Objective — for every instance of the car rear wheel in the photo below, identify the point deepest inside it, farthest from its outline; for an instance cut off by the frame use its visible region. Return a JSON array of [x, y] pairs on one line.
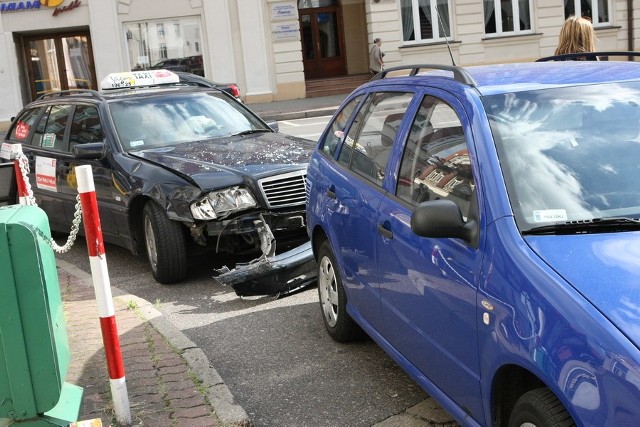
[[333, 299], [539, 408], [165, 244]]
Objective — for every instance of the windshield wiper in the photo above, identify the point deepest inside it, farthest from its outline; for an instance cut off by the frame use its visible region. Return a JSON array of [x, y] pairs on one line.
[[251, 131], [595, 225]]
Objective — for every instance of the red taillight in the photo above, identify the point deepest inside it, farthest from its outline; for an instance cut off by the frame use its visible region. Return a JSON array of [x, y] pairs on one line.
[[235, 91]]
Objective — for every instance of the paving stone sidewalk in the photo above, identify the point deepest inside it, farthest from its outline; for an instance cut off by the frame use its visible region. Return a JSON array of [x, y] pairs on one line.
[[162, 389]]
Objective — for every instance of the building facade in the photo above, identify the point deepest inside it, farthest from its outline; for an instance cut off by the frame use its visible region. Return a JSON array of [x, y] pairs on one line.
[[272, 48]]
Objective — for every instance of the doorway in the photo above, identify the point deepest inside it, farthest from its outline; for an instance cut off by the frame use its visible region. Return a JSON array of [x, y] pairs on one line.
[[59, 62], [323, 46]]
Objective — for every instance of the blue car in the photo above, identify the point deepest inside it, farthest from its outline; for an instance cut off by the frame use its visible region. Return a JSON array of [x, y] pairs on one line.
[[482, 225]]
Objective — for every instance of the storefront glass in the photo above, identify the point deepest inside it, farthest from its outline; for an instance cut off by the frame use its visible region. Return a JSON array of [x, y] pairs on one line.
[[51, 57], [174, 44]]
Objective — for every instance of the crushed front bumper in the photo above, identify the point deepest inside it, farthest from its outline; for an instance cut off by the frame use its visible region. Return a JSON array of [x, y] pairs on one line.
[[272, 275]]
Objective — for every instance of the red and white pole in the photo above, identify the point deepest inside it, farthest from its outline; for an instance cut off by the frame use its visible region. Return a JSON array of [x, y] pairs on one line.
[[23, 192], [102, 288]]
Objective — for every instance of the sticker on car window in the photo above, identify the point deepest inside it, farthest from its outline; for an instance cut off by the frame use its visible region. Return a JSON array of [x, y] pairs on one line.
[[550, 215], [48, 140], [22, 130], [136, 143], [46, 173]]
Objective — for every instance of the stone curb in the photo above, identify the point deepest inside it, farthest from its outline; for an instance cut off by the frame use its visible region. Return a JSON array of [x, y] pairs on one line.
[[293, 115], [218, 394]]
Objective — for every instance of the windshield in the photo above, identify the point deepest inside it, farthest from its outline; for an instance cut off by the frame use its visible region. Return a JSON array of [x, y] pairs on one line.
[[161, 121], [570, 154]]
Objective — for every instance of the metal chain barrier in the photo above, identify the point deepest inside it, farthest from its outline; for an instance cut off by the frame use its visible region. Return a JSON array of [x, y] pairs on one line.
[[23, 162]]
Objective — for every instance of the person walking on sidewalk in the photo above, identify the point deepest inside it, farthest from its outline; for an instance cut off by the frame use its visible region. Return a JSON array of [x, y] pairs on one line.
[[376, 63]]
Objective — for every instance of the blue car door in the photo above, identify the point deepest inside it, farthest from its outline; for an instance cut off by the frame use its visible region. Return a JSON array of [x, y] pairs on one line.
[[355, 192], [428, 285]]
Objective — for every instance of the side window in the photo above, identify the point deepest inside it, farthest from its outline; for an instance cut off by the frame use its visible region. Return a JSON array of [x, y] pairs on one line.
[[85, 126], [435, 163], [22, 129], [369, 142], [51, 127], [333, 138]]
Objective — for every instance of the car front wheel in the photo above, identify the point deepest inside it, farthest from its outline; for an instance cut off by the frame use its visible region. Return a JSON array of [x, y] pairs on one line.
[[165, 245], [539, 408], [333, 299]]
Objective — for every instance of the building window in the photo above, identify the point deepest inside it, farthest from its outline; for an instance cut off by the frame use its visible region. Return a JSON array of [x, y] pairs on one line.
[[306, 4], [595, 10], [425, 20], [507, 17], [146, 47]]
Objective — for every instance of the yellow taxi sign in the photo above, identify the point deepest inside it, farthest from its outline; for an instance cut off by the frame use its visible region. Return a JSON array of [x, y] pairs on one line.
[[138, 78]]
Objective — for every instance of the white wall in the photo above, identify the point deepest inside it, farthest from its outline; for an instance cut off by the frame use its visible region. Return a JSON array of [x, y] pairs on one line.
[[221, 56], [109, 55], [257, 67], [9, 87]]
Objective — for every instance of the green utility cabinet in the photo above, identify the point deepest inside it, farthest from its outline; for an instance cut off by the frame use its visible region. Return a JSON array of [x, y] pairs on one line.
[[34, 348]]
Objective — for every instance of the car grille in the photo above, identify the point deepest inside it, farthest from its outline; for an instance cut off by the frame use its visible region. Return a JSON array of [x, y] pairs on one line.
[[284, 190]]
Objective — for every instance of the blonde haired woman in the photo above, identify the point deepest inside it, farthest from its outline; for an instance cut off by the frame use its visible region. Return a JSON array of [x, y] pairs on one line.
[[576, 36]]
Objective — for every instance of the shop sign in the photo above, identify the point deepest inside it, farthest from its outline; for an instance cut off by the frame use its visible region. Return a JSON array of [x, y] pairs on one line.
[[70, 6], [284, 11], [286, 31], [15, 6]]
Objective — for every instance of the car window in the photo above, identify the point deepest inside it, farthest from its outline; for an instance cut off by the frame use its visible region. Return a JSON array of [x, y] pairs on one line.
[[578, 148], [51, 127], [435, 163], [22, 129], [334, 136], [370, 138], [85, 126]]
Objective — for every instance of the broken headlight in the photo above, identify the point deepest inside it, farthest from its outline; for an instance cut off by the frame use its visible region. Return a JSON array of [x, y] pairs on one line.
[[219, 204]]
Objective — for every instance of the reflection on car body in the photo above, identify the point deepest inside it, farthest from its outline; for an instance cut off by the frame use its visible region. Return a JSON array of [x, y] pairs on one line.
[[176, 168]]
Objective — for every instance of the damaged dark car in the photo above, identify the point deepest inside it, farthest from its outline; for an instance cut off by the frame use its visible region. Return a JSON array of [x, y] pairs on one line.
[[176, 168]]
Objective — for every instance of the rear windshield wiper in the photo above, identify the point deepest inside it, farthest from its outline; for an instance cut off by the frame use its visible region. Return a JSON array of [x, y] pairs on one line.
[[595, 225], [251, 131]]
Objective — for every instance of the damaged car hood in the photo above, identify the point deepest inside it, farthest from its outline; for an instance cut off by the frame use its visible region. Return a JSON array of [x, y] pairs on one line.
[[222, 162]]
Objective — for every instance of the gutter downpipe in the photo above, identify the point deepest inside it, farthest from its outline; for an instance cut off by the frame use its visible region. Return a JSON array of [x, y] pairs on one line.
[[630, 34]]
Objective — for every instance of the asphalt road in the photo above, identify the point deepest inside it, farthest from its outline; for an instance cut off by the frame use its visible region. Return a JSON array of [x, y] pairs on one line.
[[273, 354]]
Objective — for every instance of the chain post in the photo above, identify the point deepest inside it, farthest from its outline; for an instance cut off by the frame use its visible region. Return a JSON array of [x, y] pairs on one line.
[[22, 163]]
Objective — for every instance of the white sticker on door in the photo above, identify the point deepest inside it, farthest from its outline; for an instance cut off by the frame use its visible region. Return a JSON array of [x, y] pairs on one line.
[[46, 173]]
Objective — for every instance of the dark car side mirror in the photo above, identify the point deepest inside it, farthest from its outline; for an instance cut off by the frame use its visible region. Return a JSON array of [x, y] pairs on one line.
[[90, 151], [443, 219], [274, 125]]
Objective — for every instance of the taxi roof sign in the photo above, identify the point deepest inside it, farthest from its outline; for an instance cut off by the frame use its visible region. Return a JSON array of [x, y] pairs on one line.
[[133, 79]]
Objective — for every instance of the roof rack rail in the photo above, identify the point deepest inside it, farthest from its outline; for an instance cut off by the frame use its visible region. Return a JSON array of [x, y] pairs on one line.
[[459, 73], [590, 56], [92, 93]]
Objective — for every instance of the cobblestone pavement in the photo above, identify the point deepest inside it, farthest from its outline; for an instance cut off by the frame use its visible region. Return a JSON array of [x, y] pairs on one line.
[[162, 389]]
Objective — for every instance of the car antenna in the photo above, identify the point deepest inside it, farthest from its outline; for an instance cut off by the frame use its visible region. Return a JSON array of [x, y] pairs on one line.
[[446, 39]]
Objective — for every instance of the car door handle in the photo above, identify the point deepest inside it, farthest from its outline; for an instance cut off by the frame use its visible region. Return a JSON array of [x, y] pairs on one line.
[[331, 192], [385, 232]]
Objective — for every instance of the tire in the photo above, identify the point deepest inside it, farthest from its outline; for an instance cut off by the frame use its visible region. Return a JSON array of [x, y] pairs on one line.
[[165, 245], [539, 408], [333, 299]]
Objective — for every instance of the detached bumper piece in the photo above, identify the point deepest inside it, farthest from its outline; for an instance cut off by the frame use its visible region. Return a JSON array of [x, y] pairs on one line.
[[272, 275]]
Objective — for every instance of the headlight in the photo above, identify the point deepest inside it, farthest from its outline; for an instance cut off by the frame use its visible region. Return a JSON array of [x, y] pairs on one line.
[[219, 204]]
